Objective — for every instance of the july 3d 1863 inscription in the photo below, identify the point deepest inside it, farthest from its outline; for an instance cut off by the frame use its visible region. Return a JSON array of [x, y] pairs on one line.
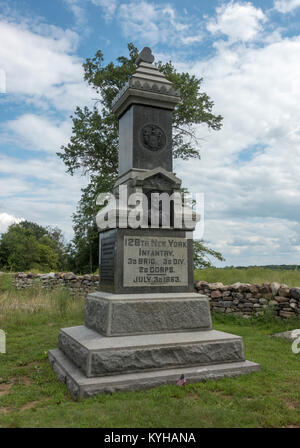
[[146, 325]]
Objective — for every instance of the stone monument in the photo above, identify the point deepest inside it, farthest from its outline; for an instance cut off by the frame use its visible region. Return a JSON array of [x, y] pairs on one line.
[[146, 326]]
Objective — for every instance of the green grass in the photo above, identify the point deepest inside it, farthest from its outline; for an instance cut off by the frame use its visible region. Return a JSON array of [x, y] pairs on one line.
[[5, 282], [248, 275], [31, 396]]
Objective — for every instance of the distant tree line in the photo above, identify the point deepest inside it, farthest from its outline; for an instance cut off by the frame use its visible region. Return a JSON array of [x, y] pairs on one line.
[[275, 267]]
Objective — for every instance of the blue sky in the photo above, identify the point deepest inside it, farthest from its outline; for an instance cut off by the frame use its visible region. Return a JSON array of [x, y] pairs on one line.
[[248, 56]]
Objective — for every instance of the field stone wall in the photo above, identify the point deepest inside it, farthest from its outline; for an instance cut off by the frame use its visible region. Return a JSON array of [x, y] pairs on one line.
[[242, 299], [76, 284]]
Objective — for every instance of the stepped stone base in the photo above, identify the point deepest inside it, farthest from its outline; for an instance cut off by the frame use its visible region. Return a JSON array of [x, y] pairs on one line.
[[82, 387], [127, 314], [137, 341], [98, 355]]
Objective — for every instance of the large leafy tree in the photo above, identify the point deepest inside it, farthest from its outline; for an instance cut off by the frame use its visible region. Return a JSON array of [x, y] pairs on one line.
[[28, 246], [93, 146]]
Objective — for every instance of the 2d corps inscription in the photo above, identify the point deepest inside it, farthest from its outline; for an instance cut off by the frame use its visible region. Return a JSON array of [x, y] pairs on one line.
[[155, 261]]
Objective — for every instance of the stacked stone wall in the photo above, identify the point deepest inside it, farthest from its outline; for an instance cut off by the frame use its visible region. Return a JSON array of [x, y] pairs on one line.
[[245, 299], [76, 284], [241, 299]]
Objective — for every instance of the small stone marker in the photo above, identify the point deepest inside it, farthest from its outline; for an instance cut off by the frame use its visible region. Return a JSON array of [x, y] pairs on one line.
[[2, 342], [289, 335], [146, 326]]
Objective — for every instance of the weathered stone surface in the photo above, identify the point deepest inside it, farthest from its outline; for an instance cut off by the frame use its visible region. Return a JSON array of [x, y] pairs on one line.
[[96, 314], [74, 351], [235, 286], [118, 361], [281, 299], [286, 313], [200, 284], [96, 355], [274, 287], [125, 314], [265, 288], [83, 387], [295, 293], [284, 291], [215, 294], [214, 286]]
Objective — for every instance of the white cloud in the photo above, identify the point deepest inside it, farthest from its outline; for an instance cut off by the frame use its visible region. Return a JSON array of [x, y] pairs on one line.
[[238, 21], [156, 23], [108, 6], [6, 220], [40, 67], [39, 190], [79, 12], [37, 133], [286, 6]]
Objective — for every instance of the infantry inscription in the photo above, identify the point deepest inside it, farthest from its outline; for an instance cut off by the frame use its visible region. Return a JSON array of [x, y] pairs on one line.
[[155, 261]]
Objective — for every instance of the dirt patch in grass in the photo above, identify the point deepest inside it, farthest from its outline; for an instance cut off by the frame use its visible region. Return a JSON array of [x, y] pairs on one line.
[[193, 396], [223, 395], [29, 405], [292, 404], [5, 388], [25, 380], [4, 410]]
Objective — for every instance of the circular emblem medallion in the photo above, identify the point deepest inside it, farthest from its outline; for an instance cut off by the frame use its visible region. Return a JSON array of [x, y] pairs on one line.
[[153, 137]]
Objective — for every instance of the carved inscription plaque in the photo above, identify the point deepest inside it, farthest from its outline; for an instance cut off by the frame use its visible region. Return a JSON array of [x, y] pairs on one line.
[[155, 261]]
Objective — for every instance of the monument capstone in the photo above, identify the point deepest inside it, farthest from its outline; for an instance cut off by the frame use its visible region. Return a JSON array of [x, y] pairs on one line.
[[145, 326]]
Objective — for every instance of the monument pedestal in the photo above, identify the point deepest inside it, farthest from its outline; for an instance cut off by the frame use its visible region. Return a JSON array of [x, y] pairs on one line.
[[146, 340]]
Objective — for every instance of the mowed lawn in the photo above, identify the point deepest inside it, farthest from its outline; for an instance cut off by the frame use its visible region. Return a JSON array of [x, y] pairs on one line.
[[31, 396]]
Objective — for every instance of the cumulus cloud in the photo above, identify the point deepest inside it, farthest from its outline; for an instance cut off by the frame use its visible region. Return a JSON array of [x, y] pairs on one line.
[[108, 6], [78, 11], [238, 21], [39, 190], [154, 23], [40, 65], [7, 220], [286, 6], [37, 133]]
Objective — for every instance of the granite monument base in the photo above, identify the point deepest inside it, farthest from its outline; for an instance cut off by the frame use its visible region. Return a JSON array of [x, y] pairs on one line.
[[131, 314], [136, 341]]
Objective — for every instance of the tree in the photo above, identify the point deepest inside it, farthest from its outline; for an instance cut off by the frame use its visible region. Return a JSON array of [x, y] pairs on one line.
[[202, 253], [28, 246], [93, 145]]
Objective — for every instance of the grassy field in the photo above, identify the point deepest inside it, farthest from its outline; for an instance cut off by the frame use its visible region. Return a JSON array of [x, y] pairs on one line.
[[248, 275], [31, 396]]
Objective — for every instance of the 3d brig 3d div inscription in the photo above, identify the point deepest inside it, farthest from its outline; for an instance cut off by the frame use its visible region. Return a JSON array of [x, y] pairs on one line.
[[145, 326]]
